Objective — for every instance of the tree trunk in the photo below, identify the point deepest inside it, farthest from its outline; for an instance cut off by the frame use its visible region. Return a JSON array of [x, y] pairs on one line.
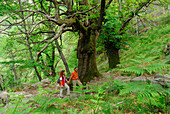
[[36, 70], [62, 57], [13, 67], [52, 61], [112, 54], [1, 88], [2, 82], [86, 53]]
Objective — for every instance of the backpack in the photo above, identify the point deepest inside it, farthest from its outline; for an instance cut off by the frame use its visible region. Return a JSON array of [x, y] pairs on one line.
[[58, 81]]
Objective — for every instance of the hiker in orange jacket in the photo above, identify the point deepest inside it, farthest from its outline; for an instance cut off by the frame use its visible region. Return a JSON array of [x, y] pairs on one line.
[[75, 79]]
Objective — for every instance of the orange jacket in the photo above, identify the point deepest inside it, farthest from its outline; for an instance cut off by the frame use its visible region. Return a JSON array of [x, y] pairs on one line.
[[74, 75]]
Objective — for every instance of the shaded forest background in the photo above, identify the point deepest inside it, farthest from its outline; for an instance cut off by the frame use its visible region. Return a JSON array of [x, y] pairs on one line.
[[39, 38]]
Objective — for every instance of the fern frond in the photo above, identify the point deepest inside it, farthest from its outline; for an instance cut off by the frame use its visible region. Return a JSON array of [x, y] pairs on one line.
[[134, 69], [135, 61], [132, 87], [149, 59], [156, 67]]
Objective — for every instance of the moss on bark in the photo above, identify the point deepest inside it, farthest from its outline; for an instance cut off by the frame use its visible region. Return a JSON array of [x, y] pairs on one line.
[[86, 55]]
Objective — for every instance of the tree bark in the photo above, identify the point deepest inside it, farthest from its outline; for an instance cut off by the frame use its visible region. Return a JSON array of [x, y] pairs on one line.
[[2, 82], [112, 54], [52, 62], [86, 54], [62, 57], [1, 88]]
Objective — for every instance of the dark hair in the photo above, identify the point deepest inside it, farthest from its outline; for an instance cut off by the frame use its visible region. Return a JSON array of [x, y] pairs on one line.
[[61, 73]]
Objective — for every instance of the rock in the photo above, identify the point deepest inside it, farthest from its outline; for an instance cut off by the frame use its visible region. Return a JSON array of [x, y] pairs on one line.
[[167, 78], [25, 84], [58, 87], [26, 88], [21, 93], [46, 81], [158, 76], [4, 96], [16, 94], [140, 78], [125, 79], [36, 84], [29, 96], [167, 49], [45, 85], [162, 80]]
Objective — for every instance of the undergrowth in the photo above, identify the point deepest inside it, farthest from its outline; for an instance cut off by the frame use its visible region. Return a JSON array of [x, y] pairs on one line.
[[111, 97], [145, 54]]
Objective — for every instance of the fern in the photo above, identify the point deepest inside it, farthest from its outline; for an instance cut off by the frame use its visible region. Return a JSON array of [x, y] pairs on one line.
[[134, 69], [157, 67], [132, 87], [149, 95], [153, 95]]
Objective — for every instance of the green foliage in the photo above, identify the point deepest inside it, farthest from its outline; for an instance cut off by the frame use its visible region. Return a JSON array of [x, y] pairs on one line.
[[17, 104], [151, 95], [158, 67], [143, 55], [133, 97], [146, 55], [111, 27], [113, 96]]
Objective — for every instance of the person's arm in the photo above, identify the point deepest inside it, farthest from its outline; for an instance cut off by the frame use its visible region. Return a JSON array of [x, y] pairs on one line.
[[67, 80], [70, 78], [78, 78]]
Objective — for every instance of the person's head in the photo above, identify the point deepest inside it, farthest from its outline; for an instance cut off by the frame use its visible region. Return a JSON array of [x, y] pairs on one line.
[[75, 69], [62, 73]]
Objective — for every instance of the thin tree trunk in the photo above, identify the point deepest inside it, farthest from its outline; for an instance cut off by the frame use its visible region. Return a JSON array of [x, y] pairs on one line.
[[120, 5], [62, 57], [169, 9], [13, 67], [2, 82], [31, 56], [1, 88], [28, 44], [86, 53], [52, 62]]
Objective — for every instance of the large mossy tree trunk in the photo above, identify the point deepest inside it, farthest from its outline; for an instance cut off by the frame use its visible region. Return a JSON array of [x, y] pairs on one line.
[[86, 53], [112, 54]]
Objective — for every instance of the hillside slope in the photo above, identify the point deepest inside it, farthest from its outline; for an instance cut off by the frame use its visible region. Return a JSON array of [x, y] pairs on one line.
[[144, 51]]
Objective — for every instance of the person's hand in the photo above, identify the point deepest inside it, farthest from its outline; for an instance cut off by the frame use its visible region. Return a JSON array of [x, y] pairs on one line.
[[68, 82], [62, 86]]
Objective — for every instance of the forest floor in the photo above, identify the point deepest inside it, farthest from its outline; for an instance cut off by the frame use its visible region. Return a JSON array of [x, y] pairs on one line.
[[107, 77], [97, 80]]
